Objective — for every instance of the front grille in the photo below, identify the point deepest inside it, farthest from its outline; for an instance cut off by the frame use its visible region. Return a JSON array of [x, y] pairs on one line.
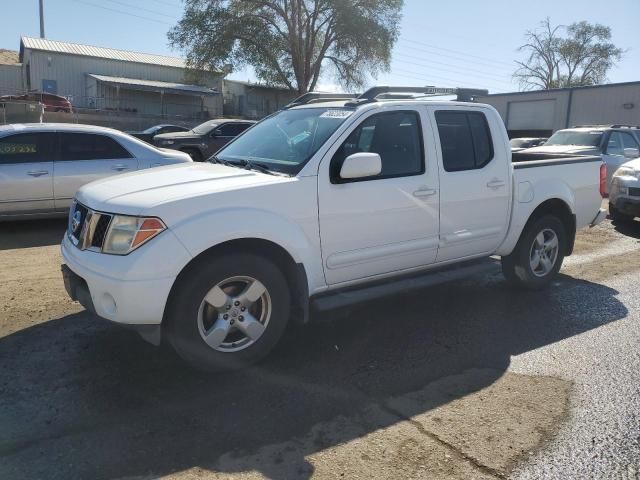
[[87, 228], [634, 191], [102, 225]]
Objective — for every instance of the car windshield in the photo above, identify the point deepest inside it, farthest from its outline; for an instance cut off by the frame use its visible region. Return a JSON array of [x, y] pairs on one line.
[[285, 141], [205, 127], [150, 130], [519, 142], [574, 137]]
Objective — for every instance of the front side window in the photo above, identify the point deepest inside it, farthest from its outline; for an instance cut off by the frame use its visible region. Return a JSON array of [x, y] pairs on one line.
[[87, 146], [285, 141], [465, 140], [395, 136], [628, 141], [27, 147]]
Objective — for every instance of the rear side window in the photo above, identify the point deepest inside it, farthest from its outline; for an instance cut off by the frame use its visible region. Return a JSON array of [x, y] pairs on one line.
[[465, 140], [28, 147], [395, 136], [87, 146]]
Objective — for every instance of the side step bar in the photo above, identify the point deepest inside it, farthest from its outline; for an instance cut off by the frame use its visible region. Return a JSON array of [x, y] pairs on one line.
[[388, 287]]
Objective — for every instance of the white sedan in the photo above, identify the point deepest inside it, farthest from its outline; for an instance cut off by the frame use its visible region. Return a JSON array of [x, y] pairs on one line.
[[43, 165]]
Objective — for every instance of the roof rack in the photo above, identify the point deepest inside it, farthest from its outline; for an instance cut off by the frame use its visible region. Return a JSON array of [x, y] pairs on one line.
[[316, 97], [615, 125], [388, 92]]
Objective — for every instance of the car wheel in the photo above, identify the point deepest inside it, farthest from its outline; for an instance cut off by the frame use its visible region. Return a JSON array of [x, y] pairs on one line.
[[617, 216], [538, 255], [228, 312], [195, 155]]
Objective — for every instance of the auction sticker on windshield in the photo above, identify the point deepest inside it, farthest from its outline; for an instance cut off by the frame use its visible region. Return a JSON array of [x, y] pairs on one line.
[[336, 113]]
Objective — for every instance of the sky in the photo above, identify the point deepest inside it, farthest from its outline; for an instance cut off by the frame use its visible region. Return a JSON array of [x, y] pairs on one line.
[[467, 43]]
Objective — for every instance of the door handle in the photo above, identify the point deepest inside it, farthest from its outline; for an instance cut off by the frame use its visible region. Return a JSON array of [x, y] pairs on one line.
[[119, 167], [495, 184], [37, 173], [425, 192]]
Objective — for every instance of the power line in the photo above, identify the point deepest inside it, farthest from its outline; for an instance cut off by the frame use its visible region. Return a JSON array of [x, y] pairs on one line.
[[122, 13], [142, 8], [428, 45], [455, 69]]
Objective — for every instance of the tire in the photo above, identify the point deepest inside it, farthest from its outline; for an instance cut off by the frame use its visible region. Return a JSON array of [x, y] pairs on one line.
[[195, 155], [190, 319], [518, 267], [617, 216]]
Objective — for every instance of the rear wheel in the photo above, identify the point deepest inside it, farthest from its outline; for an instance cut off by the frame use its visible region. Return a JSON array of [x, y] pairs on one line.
[[617, 216], [229, 312], [195, 154], [538, 255]]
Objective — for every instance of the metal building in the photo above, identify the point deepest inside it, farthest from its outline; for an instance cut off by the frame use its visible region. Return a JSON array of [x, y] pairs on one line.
[[252, 100], [540, 113], [100, 78]]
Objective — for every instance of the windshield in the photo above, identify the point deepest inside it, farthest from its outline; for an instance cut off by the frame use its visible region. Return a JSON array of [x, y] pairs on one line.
[[574, 137], [285, 141], [205, 127], [520, 142], [150, 130]]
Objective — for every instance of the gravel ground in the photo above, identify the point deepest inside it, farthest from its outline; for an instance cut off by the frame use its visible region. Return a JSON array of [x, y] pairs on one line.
[[467, 380]]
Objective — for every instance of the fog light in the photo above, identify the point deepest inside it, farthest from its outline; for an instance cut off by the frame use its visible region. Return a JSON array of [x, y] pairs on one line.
[[108, 304]]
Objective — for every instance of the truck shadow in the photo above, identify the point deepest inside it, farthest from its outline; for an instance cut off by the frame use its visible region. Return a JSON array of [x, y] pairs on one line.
[[630, 229], [31, 233], [82, 399]]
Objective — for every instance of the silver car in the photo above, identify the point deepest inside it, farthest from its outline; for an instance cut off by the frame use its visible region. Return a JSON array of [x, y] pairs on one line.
[[42, 165], [616, 144], [624, 197]]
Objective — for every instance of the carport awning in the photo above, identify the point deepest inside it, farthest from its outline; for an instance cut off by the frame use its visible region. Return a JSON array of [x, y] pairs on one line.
[[154, 86]]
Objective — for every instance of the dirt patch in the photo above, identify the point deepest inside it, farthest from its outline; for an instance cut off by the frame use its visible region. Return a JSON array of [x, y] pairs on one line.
[[479, 435]]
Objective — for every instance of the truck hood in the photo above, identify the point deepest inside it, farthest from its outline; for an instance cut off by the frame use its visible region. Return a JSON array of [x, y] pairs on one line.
[[635, 164], [577, 149], [142, 192]]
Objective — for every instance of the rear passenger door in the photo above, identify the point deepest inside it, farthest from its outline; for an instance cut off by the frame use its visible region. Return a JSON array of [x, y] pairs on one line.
[[26, 173], [475, 189], [85, 157]]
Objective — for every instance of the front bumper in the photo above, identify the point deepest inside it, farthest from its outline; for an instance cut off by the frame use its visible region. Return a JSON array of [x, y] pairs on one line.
[[625, 195], [131, 289]]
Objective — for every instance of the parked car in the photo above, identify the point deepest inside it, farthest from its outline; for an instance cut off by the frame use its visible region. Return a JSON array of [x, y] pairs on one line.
[[315, 201], [51, 102], [43, 164], [148, 134], [624, 199], [518, 144], [204, 140], [616, 144]]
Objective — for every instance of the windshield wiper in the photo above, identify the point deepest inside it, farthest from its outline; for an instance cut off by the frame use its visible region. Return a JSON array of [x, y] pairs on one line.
[[247, 165]]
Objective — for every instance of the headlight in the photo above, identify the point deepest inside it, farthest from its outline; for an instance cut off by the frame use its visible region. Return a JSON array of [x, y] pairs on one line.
[[126, 233], [167, 142], [627, 172]]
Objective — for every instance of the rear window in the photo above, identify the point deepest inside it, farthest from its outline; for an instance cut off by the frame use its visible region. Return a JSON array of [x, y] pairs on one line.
[[87, 146], [465, 140], [576, 138]]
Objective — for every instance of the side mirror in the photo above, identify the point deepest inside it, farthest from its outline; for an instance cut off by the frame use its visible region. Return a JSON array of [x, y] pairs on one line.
[[361, 165], [631, 152]]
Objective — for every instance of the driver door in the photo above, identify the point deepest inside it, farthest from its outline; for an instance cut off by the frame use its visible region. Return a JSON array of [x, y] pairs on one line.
[[385, 223]]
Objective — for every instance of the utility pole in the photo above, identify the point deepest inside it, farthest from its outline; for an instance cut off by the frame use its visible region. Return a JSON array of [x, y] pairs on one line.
[[41, 19]]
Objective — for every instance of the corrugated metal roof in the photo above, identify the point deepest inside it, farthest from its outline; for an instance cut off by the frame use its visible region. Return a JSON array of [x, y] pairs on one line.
[[153, 85], [99, 52]]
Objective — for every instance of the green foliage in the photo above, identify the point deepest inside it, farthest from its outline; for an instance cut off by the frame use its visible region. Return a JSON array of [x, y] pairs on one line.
[[289, 42], [578, 55]]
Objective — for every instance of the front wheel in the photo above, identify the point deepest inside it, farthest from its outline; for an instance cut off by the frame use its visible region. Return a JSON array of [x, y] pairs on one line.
[[538, 255], [229, 312]]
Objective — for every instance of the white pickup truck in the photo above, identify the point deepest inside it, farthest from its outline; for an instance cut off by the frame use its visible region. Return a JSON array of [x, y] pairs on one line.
[[320, 198]]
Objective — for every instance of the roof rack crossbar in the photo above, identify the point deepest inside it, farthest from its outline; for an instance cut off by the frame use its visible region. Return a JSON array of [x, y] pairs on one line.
[[615, 125], [315, 97]]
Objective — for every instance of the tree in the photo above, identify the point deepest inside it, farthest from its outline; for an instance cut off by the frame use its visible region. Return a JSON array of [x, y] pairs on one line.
[[288, 42], [561, 56]]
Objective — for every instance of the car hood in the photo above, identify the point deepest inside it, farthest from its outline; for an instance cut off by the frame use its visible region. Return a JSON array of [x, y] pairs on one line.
[[144, 192], [635, 164], [176, 136], [577, 149]]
